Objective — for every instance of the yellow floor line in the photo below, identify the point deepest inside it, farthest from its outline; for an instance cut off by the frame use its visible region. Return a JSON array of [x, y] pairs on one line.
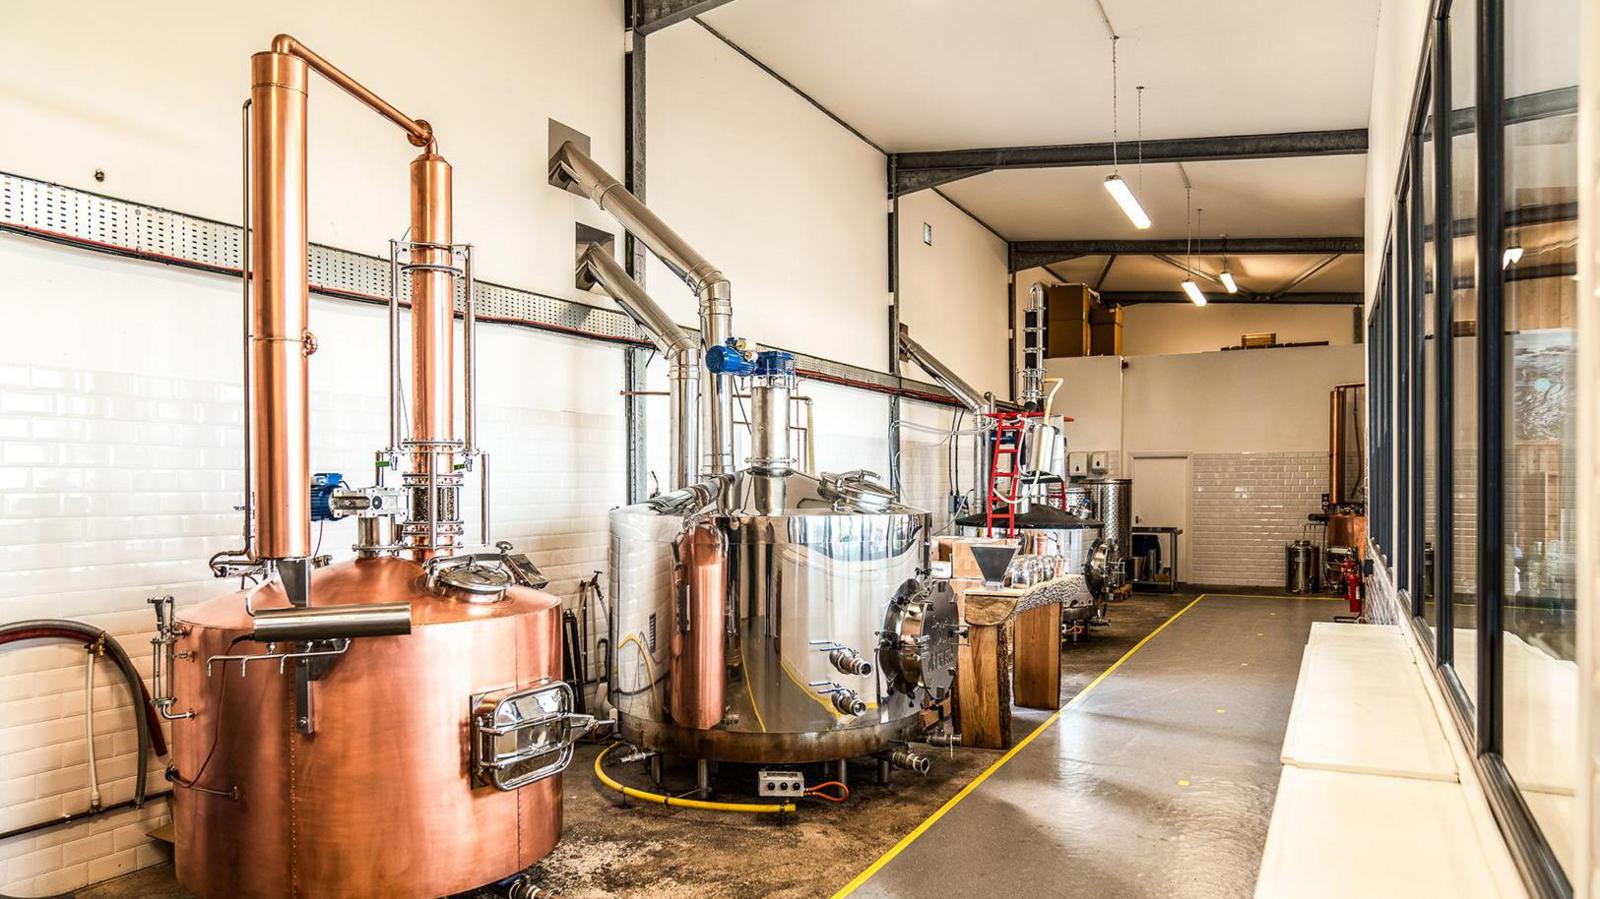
[[922, 828]]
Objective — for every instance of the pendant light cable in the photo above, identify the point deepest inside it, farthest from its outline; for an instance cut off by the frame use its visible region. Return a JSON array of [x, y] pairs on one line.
[[1114, 40], [1139, 92]]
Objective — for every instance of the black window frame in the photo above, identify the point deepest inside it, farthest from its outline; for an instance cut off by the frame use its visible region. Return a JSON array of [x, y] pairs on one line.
[[1399, 387]]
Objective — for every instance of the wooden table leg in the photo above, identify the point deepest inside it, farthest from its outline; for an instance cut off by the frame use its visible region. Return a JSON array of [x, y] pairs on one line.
[[1039, 657]]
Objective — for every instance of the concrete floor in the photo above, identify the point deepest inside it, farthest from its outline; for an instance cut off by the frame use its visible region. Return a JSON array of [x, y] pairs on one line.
[[647, 850], [1159, 783]]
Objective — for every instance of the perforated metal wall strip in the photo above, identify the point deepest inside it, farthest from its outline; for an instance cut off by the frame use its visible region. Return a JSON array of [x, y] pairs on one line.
[[93, 221]]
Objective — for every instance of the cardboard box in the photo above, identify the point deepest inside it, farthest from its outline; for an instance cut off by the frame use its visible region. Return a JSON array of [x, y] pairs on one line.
[[1105, 340], [1066, 331]]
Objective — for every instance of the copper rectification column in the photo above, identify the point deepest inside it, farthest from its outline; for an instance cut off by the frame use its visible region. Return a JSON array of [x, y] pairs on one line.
[[279, 342], [432, 329]]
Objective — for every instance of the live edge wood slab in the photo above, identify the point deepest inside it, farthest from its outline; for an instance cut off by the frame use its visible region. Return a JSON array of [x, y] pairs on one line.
[[986, 664]]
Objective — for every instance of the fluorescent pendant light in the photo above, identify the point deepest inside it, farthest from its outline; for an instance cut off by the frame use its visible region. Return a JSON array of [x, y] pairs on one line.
[[1119, 191], [1193, 290], [1228, 284], [1512, 256]]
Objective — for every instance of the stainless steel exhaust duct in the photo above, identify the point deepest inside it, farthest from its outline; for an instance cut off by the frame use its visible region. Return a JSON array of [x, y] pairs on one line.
[[597, 266], [977, 403], [570, 166]]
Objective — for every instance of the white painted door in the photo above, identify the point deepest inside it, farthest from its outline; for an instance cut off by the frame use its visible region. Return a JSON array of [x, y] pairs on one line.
[[1161, 498]]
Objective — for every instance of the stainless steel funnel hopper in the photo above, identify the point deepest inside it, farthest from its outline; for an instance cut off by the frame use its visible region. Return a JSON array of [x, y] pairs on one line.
[[993, 560]]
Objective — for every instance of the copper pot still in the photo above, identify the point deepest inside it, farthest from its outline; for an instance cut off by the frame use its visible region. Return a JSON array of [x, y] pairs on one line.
[[355, 766], [378, 801]]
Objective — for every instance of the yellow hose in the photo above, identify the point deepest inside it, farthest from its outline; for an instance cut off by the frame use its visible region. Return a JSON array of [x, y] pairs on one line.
[[746, 808]]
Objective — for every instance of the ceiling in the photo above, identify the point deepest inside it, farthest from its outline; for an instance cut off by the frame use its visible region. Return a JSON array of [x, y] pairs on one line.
[[952, 74], [1257, 274], [947, 74], [1312, 197]]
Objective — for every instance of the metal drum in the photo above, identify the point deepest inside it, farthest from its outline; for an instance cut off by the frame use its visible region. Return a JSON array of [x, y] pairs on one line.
[[776, 617], [1113, 505], [1301, 567], [1078, 500]]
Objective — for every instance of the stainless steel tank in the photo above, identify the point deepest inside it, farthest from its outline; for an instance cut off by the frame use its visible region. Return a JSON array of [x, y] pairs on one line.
[[1078, 500], [1301, 566], [1113, 505], [776, 617]]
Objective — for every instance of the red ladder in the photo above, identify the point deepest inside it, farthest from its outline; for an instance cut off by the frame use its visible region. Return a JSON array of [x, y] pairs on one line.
[[1010, 425]]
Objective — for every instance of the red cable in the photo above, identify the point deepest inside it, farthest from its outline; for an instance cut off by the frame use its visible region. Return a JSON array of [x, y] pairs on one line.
[[158, 741], [816, 791]]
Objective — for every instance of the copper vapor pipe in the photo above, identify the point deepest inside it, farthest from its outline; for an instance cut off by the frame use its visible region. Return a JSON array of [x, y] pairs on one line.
[[279, 340], [418, 131], [433, 305]]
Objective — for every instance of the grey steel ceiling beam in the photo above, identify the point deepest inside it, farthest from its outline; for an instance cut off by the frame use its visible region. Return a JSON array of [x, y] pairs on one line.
[[654, 15], [1034, 253], [918, 170], [1100, 279], [1309, 273], [1136, 297]]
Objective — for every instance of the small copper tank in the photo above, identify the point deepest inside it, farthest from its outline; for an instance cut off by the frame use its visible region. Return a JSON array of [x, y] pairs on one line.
[[378, 800]]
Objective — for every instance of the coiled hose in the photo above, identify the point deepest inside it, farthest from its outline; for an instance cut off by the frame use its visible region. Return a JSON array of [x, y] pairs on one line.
[[147, 724], [747, 808]]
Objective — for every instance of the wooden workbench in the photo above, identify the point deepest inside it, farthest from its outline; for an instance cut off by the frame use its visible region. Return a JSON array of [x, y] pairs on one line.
[[1008, 655]]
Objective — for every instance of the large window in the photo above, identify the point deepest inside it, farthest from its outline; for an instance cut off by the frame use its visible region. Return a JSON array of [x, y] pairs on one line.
[[1538, 270], [1461, 379], [1428, 365], [1473, 366]]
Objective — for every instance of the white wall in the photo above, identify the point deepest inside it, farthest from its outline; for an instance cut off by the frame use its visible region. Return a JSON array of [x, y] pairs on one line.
[[953, 294], [1402, 28], [1171, 328], [151, 94], [1266, 400], [789, 205], [1253, 425]]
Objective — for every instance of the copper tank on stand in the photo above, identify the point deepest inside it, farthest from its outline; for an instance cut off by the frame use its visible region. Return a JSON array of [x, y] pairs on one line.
[[386, 726]]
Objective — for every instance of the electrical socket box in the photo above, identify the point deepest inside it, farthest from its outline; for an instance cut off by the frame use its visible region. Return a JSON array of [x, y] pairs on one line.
[[1077, 465], [1099, 462], [781, 783]]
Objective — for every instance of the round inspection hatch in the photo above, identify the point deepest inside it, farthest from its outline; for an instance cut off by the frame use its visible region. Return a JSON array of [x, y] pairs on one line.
[[476, 582]]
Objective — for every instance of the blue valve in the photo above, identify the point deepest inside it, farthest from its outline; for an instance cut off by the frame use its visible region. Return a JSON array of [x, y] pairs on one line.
[[774, 362], [323, 484], [728, 359]]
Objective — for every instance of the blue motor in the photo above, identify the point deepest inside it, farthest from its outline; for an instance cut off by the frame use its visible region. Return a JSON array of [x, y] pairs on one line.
[[323, 484], [730, 359]]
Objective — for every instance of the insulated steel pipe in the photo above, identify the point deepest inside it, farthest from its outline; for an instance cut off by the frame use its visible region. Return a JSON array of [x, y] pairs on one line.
[[571, 165], [681, 352]]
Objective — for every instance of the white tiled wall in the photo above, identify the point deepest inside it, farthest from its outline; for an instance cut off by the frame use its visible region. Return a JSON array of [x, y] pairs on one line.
[[1246, 506], [120, 436], [120, 468]]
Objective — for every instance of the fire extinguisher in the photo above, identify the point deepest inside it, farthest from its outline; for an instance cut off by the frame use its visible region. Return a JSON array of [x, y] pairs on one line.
[[1350, 572]]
